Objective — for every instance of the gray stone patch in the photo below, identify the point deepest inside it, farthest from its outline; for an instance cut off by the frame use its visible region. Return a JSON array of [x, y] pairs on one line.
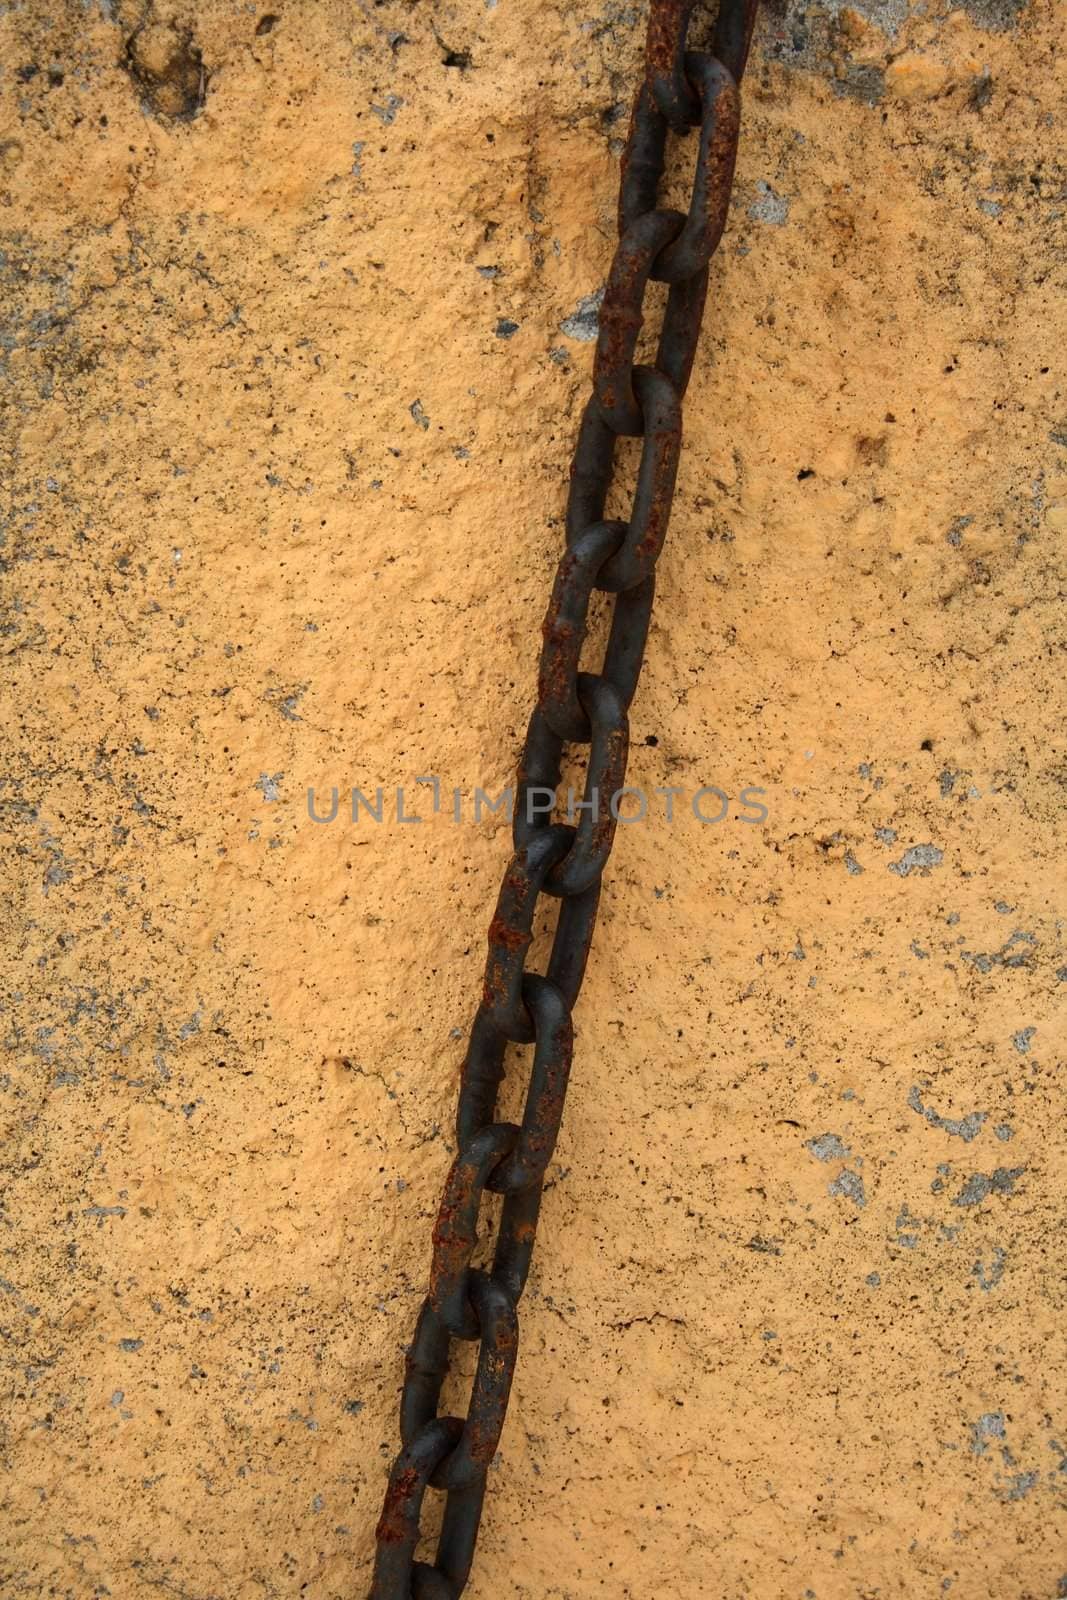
[[906, 1224], [1006, 956], [583, 324], [419, 414], [286, 703], [995, 15], [852, 865], [267, 784], [990, 1425], [43, 1045], [919, 858], [850, 1185], [801, 33], [1004, 1131], [1019, 1486], [980, 1186], [827, 1147], [388, 111], [988, 1278], [886, 835], [965, 1128], [764, 1247], [769, 206], [862, 81], [1021, 1040], [889, 15]]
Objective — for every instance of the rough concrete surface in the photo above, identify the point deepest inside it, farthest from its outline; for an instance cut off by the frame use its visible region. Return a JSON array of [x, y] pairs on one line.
[[297, 318]]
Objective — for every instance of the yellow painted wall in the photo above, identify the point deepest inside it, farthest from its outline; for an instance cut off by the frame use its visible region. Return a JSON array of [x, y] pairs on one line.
[[284, 490]]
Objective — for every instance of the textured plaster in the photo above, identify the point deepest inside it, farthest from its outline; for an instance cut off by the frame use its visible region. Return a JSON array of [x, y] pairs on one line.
[[298, 310]]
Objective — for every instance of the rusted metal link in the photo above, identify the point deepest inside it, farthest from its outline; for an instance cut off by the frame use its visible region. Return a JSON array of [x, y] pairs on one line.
[[514, 1244], [642, 168], [510, 932], [668, 25], [455, 1233], [483, 1066], [621, 318], [668, 69], [651, 509], [592, 466], [456, 1230], [584, 862], [429, 1583], [537, 780], [626, 641], [570, 947], [499, 1328], [515, 1239], [427, 1368], [411, 1473], [656, 473], [643, 159], [681, 330], [720, 125], [480, 1077], [526, 1164], [396, 1572], [483, 1070], [564, 629], [733, 35]]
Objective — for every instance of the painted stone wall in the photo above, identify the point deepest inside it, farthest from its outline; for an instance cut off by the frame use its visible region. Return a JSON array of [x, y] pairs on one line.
[[298, 311]]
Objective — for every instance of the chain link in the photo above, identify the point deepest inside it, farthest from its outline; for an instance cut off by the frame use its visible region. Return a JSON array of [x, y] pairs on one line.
[[682, 89]]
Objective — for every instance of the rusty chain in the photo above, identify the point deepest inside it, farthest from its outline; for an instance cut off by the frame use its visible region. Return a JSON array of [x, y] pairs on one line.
[[682, 89]]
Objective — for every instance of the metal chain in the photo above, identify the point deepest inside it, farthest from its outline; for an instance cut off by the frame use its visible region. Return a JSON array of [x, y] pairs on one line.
[[681, 89]]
